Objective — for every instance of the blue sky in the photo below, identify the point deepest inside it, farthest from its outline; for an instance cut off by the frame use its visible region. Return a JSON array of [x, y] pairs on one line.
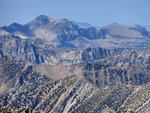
[[95, 12]]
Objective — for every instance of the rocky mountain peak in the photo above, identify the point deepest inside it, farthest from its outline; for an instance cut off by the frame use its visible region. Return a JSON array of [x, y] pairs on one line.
[[39, 21], [46, 21], [14, 27], [42, 19]]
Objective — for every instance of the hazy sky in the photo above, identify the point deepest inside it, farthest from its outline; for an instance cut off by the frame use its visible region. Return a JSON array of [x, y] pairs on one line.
[[96, 12]]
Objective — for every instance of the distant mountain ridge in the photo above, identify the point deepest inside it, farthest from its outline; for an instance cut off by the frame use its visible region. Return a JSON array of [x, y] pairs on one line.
[[64, 33], [82, 24]]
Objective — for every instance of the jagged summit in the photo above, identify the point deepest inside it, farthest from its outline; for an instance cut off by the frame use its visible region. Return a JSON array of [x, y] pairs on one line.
[[41, 17]]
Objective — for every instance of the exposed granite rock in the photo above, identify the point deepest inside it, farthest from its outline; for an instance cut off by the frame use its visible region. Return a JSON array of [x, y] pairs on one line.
[[22, 86], [38, 51], [83, 78]]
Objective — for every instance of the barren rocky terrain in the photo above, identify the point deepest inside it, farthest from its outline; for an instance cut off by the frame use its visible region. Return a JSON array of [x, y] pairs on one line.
[[54, 66]]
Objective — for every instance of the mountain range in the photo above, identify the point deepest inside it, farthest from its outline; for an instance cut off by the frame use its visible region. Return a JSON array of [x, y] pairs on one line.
[[55, 66], [64, 33]]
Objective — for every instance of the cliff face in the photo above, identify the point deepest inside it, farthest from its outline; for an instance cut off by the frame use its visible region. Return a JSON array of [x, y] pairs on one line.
[[38, 51]]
